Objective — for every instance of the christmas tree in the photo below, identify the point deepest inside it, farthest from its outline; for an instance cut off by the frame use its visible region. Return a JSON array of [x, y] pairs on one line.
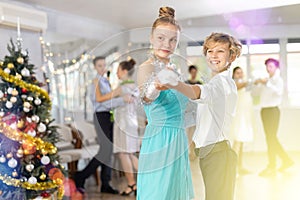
[[29, 164]]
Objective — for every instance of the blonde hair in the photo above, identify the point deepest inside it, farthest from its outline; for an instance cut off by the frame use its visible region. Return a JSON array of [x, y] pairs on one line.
[[166, 16], [235, 46]]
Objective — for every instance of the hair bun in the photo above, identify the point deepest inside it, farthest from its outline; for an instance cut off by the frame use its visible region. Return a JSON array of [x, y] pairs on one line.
[[131, 61], [166, 12]]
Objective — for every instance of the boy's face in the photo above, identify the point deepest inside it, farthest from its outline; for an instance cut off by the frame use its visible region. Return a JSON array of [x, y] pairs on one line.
[[271, 68], [218, 56], [100, 66]]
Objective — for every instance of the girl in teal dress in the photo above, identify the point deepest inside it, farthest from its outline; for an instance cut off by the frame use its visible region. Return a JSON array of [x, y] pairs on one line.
[[164, 169]]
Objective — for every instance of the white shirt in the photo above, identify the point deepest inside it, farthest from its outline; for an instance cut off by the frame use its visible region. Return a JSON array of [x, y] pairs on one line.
[[271, 93], [216, 107]]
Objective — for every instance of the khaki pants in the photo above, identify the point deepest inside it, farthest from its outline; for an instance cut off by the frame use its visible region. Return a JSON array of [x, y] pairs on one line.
[[218, 166]]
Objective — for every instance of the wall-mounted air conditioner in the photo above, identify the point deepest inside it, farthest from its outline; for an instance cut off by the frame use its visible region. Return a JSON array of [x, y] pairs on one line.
[[30, 19]]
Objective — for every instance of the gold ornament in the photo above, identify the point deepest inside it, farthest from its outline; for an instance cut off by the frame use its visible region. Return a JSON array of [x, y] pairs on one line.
[[10, 65], [20, 153], [14, 92], [20, 60], [43, 176], [20, 124], [9, 155], [14, 173], [18, 76], [1, 64]]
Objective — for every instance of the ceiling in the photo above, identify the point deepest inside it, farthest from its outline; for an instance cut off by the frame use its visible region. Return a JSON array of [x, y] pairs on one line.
[[139, 13]]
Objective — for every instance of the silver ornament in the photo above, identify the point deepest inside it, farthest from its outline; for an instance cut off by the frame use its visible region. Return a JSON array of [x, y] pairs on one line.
[[9, 90], [35, 118], [41, 127], [25, 72], [9, 104], [45, 160], [29, 167], [7, 71], [31, 133], [30, 98], [37, 101], [32, 180], [12, 163], [26, 109]]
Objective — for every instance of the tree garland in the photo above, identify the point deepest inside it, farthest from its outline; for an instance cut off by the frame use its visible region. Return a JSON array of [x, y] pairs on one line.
[[16, 135], [38, 186], [33, 88]]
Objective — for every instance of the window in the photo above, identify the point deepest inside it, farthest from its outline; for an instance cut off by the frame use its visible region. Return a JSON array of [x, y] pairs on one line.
[[293, 71]]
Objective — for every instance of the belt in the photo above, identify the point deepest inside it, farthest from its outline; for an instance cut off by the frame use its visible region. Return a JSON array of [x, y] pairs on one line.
[[212, 148]]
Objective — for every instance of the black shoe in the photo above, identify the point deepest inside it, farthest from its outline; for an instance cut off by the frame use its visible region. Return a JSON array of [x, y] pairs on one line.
[[109, 189], [268, 172], [132, 189]]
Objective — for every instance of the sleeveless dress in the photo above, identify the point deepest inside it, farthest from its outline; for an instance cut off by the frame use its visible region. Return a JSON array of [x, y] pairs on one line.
[[164, 168], [126, 138], [242, 121]]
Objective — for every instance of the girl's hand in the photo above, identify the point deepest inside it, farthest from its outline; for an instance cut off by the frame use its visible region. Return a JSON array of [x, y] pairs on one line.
[[117, 91], [128, 98], [160, 86]]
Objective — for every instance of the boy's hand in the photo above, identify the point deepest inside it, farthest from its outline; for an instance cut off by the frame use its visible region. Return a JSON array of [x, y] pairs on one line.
[[168, 77]]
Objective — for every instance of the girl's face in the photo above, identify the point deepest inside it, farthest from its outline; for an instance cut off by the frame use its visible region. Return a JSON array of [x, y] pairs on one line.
[[100, 67], [238, 74], [193, 73], [122, 74], [218, 56], [164, 40], [271, 68]]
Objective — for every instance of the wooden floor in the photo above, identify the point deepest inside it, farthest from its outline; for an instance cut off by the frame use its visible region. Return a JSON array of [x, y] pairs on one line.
[[283, 186]]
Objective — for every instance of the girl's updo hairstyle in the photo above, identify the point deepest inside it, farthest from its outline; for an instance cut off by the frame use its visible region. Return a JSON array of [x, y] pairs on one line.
[[128, 65], [166, 16]]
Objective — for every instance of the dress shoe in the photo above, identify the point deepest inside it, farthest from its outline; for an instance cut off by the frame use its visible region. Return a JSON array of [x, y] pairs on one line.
[[268, 172], [285, 165], [109, 189], [132, 189]]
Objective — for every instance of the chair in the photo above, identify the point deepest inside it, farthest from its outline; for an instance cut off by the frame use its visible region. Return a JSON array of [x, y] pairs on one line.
[[65, 147]]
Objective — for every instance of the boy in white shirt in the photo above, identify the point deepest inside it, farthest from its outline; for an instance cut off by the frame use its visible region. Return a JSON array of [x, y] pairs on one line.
[[216, 106], [270, 100]]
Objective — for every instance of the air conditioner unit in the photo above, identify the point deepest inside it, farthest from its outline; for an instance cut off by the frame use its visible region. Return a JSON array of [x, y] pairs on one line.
[[30, 19]]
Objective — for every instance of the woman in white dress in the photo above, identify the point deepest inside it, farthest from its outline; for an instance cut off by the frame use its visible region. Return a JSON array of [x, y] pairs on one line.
[[126, 142], [242, 121]]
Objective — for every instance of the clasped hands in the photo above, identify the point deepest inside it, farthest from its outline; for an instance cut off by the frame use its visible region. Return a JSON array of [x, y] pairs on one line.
[[166, 78], [261, 80]]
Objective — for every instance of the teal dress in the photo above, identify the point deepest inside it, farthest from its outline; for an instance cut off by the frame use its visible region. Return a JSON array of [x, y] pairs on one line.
[[164, 168]]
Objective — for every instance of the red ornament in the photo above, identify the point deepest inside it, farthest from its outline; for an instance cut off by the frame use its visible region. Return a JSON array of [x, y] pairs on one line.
[[55, 173], [29, 126], [28, 148], [45, 194], [23, 90]]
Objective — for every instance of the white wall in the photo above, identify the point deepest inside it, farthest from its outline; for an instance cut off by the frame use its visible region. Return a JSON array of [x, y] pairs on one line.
[[30, 42]]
